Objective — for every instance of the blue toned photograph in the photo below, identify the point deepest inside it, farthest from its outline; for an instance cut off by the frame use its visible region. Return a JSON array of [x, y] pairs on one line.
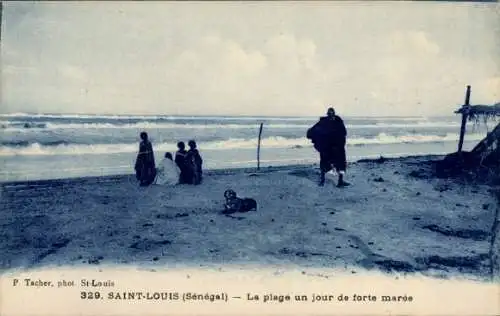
[[350, 136]]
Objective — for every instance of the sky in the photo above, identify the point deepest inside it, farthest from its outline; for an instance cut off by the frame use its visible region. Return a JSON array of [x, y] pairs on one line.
[[249, 58]]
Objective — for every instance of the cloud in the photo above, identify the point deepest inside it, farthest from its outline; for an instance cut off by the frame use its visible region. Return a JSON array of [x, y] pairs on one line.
[[488, 88], [264, 59], [231, 76], [72, 72], [411, 43]]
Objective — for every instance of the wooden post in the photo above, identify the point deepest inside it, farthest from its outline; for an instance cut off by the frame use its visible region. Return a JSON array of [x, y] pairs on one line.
[[465, 113], [1, 10], [258, 146]]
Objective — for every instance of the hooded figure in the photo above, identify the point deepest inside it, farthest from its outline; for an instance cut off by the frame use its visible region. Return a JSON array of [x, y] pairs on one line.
[[145, 170], [168, 172], [329, 138]]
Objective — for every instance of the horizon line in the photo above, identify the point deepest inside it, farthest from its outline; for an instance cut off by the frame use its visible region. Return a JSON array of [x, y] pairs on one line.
[[13, 114]]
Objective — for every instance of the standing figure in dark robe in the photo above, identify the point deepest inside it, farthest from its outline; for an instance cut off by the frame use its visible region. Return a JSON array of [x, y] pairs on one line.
[[329, 138], [145, 169], [181, 159], [195, 161]]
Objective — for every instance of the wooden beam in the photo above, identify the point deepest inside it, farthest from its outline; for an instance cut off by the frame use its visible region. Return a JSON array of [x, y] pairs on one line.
[[1, 11], [258, 146], [465, 113]]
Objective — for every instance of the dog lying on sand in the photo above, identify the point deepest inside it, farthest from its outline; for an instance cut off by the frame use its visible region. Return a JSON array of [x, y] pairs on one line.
[[234, 204]]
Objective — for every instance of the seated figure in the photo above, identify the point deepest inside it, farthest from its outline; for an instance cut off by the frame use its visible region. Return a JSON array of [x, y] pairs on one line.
[[168, 172]]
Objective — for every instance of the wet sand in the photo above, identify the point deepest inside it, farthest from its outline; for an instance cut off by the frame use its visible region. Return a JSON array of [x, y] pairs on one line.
[[395, 218]]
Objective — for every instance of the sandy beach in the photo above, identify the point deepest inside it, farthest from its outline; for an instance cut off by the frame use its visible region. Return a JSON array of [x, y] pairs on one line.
[[95, 95], [395, 217]]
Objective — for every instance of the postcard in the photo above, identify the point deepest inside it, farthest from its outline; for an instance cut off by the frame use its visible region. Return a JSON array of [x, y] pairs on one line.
[[250, 158]]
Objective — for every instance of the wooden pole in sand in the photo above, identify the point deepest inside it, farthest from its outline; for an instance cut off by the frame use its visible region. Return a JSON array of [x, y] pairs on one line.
[[258, 146], [1, 9], [465, 113]]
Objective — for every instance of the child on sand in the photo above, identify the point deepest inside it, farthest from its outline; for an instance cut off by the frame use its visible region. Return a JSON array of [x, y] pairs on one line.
[[194, 157]]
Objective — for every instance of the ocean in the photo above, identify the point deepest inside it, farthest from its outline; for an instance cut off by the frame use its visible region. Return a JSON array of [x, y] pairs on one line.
[[51, 146]]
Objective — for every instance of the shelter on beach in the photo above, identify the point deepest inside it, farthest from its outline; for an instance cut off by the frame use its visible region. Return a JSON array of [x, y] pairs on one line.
[[486, 154], [480, 111], [488, 149]]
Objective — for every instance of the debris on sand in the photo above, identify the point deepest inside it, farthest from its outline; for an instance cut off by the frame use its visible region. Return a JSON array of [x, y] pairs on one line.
[[420, 174], [390, 265], [147, 244], [454, 262], [442, 187], [474, 234], [482, 163], [95, 260]]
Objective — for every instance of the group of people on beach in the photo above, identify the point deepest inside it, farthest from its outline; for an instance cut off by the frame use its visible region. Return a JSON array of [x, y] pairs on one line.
[[186, 168], [328, 136]]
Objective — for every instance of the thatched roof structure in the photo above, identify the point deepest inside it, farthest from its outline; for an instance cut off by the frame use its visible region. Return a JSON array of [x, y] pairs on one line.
[[475, 112], [484, 159]]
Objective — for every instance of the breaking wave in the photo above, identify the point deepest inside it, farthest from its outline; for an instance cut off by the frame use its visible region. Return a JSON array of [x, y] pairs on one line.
[[151, 117], [13, 126], [65, 148]]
